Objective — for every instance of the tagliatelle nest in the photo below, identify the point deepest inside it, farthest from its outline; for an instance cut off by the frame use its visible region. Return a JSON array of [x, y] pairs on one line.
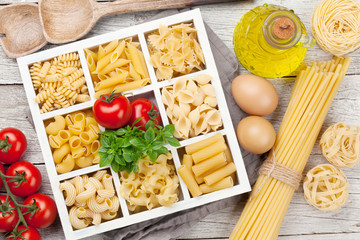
[[326, 187], [340, 145]]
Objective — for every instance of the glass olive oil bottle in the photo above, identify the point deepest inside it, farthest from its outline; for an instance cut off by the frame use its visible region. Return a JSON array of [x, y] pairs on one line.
[[271, 41]]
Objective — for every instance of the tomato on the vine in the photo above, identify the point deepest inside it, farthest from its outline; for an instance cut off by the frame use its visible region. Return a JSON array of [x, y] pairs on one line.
[[112, 111], [46, 213], [2, 169], [12, 145], [29, 234], [8, 215], [145, 109], [29, 178]]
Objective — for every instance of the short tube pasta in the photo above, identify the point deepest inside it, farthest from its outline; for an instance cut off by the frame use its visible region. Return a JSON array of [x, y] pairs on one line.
[[195, 147], [222, 184], [220, 174], [208, 164], [209, 151], [189, 180], [119, 65]]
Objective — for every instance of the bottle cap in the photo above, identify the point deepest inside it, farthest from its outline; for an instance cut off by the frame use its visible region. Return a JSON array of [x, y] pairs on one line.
[[283, 28]]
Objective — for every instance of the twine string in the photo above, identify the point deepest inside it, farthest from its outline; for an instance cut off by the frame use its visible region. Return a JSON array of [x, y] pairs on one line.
[[271, 168]]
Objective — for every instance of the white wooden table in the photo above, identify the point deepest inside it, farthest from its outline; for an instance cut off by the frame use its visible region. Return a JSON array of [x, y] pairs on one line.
[[302, 221]]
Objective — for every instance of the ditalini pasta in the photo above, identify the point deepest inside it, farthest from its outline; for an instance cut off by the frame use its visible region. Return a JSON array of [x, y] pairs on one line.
[[175, 51], [340, 145], [313, 92], [326, 187], [155, 184], [73, 140], [92, 199], [59, 82], [191, 106], [117, 66], [207, 161]]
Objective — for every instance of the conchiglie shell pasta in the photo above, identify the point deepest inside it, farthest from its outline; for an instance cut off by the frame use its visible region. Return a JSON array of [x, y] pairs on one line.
[[208, 90], [189, 103], [185, 96], [202, 79]]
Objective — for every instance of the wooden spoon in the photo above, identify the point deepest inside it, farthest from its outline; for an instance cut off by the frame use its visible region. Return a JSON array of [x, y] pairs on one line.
[[68, 20], [20, 29]]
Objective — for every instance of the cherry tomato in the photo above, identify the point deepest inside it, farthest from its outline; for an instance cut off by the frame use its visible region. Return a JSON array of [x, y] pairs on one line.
[[112, 111], [31, 179], [12, 145], [46, 214], [30, 234], [2, 169], [146, 109], [9, 220]]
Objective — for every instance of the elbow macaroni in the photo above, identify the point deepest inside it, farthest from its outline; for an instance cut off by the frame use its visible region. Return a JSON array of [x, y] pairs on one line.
[[81, 194], [74, 140]]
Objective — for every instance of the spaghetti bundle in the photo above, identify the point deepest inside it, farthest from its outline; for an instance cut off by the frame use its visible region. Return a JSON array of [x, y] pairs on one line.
[[335, 24], [313, 92]]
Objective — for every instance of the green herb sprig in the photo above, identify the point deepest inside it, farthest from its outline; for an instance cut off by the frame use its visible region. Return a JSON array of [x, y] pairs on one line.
[[122, 148]]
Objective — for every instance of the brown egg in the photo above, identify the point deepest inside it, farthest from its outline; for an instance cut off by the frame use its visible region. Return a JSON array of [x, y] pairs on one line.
[[256, 134], [254, 95]]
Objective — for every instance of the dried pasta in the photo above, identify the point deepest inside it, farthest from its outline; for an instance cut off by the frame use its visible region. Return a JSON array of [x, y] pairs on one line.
[[215, 168], [117, 66], [191, 106], [326, 187], [340, 145], [58, 82], [73, 140], [155, 184], [81, 195], [175, 51]]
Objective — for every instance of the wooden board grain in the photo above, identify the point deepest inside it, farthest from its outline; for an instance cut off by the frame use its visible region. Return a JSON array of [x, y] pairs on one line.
[[302, 221]]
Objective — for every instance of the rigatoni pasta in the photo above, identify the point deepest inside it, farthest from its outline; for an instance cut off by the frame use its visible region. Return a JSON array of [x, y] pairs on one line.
[[89, 205], [212, 163], [117, 66], [73, 140], [59, 82]]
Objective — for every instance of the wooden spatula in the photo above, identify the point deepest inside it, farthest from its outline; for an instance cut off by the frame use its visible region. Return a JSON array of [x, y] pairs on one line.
[[68, 20]]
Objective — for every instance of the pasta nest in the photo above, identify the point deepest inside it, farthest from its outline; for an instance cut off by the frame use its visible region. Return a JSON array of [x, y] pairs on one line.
[[326, 187], [340, 145]]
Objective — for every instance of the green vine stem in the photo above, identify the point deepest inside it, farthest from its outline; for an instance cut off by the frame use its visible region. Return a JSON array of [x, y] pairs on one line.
[[16, 204]]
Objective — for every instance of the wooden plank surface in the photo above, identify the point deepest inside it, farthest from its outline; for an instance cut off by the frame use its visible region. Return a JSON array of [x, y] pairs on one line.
[[302, 221]]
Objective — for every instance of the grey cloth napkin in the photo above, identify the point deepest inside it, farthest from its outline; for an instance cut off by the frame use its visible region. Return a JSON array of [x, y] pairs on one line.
[[174, 225]]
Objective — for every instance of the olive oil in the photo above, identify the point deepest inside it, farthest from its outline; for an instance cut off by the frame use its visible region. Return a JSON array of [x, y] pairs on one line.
[[271, 41]]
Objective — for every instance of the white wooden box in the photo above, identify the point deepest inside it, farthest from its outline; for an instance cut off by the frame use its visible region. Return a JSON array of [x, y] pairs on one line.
[[153, 90]]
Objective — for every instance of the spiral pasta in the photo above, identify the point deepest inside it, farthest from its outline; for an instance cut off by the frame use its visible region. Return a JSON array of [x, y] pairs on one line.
[[340, 145], [326, 188], [61, 77]]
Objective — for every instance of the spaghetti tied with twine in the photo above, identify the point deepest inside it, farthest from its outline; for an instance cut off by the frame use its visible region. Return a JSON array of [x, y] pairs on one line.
[[271, 168]]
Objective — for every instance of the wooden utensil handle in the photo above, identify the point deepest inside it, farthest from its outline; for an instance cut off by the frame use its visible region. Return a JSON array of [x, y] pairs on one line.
[[123, 6]]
